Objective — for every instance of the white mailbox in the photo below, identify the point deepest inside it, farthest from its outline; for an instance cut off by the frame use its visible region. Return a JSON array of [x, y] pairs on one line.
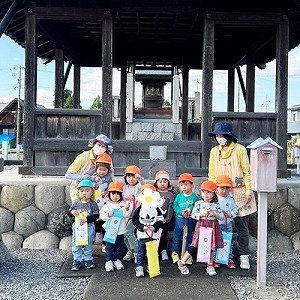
[[263, 165]]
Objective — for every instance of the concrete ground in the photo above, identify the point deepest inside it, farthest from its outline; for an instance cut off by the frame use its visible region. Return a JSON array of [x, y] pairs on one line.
[[171, 284]]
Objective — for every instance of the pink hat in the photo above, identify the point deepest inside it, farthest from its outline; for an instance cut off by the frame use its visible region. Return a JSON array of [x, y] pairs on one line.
[[162, 175]]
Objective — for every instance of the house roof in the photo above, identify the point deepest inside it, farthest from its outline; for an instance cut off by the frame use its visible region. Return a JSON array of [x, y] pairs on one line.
[[156, 32]]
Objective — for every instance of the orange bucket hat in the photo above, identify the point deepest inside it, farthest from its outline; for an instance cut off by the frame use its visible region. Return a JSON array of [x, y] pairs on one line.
[[115, 186], [148, 185], [104, 158], [208, 186], [223, 180], [186, 177], [162, 175], [133, 170]]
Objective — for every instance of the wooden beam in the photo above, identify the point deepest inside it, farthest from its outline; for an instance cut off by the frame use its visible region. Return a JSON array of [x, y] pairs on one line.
[[250, 83], [185, 102], [230, 93], [76, 84], [122, 108], [69, 14], [59, 78]]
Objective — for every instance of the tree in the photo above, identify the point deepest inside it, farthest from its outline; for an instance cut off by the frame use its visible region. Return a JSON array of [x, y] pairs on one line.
[[167, 103], [68, 99], [97, 104]]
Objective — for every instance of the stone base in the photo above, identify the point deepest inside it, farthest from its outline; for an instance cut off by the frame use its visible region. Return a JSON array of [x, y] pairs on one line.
[[149, 167]]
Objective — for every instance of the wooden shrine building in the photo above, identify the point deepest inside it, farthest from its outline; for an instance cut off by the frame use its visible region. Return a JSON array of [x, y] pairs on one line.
[[172, 34]]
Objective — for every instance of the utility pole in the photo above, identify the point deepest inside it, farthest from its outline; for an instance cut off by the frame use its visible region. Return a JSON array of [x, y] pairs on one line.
[[18, 123]]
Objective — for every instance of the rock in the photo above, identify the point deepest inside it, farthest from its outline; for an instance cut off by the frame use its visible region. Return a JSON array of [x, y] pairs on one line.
[[49, 197], [41, 240], [6, 220], [59, 222], [278, 242], [12, 239], [23, 194], [66, 244], [29, 220]]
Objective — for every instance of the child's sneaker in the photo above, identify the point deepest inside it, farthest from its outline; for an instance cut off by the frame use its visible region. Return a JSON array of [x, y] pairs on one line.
[[189, 261], [175, 257], [164, 255], [231, 264], [139, 271], [89, 264], [129, 256], [109, 266], [216, 265], [118, 265], [211, 270], [244, 262], [183, 268], [76, 265]]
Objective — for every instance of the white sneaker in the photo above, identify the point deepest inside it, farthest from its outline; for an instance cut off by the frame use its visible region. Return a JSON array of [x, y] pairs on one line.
[[244, 262], [103, 248], [129, 256], [118, 265], [135, 257], [211, 271], [109, 266], [164, 255], [139, 271]]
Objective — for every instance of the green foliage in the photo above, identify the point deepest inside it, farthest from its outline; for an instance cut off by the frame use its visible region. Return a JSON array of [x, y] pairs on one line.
[[166, 103], [97, 104], [68, 99]]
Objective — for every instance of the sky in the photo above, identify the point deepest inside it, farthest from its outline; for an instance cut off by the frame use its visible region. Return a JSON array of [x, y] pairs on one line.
[[12, 61]]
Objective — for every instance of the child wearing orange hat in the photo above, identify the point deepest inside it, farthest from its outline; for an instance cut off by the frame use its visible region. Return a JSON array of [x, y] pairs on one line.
[[229, 208], [183, 206], [166, 191], [207, 212], [133, 183], [114, 250]]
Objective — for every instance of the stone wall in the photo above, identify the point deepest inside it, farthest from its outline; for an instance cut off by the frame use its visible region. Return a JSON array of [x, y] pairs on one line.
[[35, 216]]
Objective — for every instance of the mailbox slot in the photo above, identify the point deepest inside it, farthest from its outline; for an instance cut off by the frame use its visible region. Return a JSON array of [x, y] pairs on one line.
[[267, 150]]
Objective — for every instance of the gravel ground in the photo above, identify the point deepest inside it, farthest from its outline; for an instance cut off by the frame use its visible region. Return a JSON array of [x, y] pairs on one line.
[[283, 278], [32, 274]]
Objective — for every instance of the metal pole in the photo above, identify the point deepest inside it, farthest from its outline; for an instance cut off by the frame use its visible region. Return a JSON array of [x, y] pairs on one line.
[[262, 236]]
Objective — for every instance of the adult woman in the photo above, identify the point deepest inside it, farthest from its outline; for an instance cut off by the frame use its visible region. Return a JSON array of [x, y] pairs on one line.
[[85, 162], [231, 159]]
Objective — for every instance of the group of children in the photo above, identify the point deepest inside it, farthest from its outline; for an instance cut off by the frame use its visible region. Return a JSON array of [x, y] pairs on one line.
[[215, 209]]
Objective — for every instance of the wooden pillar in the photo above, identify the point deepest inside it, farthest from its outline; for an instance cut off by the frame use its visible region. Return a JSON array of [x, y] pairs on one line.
[[122, 107], [230, 93], [76, 87], [59, 78], [107, 59], [185, 102], [282, 49], [207, 88], [250, 84], [30, 85]]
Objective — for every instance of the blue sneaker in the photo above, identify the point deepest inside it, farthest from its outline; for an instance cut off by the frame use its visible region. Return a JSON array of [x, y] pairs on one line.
[[89, 264], [76, 265]]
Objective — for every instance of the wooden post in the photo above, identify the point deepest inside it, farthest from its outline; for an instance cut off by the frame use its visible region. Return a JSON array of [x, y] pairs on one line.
[[59, 78], [185, 100], [207, 88], [30, 85], [122, 108], [230, 94], [262, 237], [107, 59], [250, 83], [76, 84]]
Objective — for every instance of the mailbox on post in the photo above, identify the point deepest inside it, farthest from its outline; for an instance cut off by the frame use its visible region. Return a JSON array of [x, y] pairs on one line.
[[263, 165]]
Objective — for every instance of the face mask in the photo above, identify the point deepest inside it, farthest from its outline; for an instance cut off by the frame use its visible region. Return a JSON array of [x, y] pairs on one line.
[[98, 150], [221, 141]]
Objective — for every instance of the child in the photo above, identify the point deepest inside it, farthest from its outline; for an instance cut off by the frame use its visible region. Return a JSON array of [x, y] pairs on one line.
[[163, 186], [133, 183], [102, 178], [114, 251], [147, 219], [229, 209], [207, 212], [183, 206], [84, 204]]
